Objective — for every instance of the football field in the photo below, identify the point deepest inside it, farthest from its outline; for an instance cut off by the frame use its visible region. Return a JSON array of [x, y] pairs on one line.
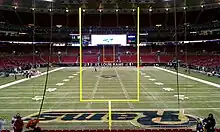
[[158, 98]]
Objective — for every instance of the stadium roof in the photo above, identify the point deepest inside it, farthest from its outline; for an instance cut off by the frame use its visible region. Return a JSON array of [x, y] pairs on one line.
[[108, 4]]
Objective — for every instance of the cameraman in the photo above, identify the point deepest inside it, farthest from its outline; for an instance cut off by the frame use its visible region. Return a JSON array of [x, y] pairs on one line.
[[209, 123]]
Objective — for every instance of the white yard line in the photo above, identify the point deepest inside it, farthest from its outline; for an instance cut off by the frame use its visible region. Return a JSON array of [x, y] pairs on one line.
[[190, 77], [25, 79], [146, 90], [65, 96], [55, 97], [106, 110], [142, 102], [95, 89], [109, 92], [124, 89]]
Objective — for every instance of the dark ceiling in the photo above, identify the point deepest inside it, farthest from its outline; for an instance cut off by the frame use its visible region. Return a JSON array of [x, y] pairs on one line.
[[124, 4]]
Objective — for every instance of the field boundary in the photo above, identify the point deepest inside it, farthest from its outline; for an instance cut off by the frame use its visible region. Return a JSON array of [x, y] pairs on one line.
[[106, 110], [190, 77], [25, 79]]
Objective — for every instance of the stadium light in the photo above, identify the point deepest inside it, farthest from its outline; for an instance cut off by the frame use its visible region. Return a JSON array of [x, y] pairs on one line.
[[100, 10], [184, 8], [48, 0], [84, 10], [67, 10], [167, 9], [133, 10], [32, 9], [202, 6], [150, 9], [50, 10], [159, 25], [15, 7], [116, 10]]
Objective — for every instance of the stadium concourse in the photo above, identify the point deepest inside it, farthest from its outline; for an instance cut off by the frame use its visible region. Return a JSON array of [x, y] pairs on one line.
[[109, 66]]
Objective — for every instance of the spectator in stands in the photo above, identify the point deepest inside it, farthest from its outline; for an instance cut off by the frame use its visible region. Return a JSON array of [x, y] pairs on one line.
[[209, 123], [2, 123]]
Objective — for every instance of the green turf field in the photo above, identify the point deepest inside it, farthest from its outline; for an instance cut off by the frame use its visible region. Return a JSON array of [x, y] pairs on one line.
[[157, 93]]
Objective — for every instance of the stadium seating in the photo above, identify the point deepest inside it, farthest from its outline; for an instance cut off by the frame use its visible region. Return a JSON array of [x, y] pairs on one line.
[[69, 59]]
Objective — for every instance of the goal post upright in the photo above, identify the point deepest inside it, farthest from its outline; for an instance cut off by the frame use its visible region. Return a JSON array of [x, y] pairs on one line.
[[138, 53], [80, 52], [109, 115], [109, 101]]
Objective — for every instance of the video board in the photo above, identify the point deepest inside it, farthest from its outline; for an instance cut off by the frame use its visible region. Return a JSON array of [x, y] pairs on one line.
[[109, 39]]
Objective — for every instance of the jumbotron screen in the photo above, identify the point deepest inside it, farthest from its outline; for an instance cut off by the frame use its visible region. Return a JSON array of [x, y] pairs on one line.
[[131, 39], [109, 39], [86, 39]]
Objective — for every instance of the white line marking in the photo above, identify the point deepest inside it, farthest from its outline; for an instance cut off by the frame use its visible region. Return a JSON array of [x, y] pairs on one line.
[[75, 74], [147, 76], [151, 79], [71, 77], [36, 98], [95, 89], [182, 97], [124, 89], [66, 80], [188, 85], [25, 79], [142, 73], [101, 110], [158, 83], [57, 97], [168, 89], [51, 89], [60, 84], [110, 92], [121, 103], [189, 77]]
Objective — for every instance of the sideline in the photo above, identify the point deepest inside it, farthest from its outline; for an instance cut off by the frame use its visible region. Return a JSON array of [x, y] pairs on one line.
[[190, 77], [25, 79]]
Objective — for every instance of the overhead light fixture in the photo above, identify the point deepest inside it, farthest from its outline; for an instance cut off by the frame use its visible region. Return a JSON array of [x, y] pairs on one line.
[[15, 7], [133, 10], [150, 9], [100, 10], [67, 10], [50, 10], [159, 25], [32, 9], [116, 10], [184, 8], [167, 9], [84, 10], [202, 6], [48, 0]]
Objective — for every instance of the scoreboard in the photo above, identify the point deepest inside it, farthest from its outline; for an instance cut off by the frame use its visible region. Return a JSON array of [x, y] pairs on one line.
[[106, 39]]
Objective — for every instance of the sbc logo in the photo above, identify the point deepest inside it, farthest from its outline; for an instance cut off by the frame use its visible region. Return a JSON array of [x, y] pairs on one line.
[[145, 119]]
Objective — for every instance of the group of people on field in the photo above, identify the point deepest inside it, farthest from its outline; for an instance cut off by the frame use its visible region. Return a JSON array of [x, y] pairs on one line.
[[18, 124], [206, 125]]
